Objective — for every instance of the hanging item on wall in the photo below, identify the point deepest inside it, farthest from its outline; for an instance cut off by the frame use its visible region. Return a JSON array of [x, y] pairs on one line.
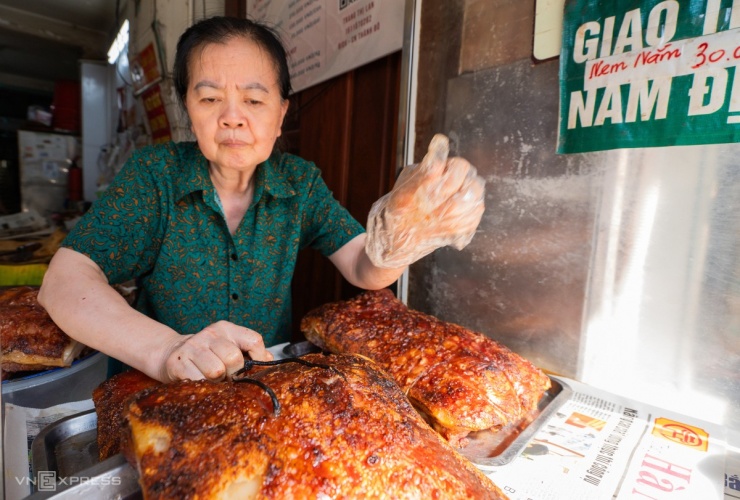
[[548, 29], [156, 115], [648, 73], [145, 69]]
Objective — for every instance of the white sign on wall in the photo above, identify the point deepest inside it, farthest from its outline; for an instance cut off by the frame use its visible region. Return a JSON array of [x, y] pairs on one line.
[[548, 29], [325, 38]]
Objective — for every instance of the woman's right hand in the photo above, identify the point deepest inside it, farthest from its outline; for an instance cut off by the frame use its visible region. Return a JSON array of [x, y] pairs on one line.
[[214, 353]]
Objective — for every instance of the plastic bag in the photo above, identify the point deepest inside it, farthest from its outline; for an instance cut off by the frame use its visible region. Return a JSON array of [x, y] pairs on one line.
[[435, 203]]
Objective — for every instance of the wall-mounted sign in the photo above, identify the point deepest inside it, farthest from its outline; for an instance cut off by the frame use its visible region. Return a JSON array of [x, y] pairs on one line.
[[145, 69], [649, 73], [156, 115], [325, 38], [548, 29]]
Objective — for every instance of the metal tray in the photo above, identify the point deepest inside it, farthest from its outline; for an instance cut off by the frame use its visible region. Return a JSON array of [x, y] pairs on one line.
[[67, 451], [67, 446], [488, 450]]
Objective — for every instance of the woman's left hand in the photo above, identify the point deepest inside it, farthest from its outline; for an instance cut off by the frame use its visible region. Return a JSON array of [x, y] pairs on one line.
[[214, 353]]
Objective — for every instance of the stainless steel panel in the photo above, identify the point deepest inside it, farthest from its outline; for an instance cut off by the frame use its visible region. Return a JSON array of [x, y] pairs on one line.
[[620, 269], [523, 278], [664, 304]]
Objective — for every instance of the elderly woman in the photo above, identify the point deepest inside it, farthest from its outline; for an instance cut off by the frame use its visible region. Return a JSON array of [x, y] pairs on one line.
[[211, 229]]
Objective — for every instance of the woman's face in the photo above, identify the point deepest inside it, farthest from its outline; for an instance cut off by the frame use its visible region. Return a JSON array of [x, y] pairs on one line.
[[234, 104]]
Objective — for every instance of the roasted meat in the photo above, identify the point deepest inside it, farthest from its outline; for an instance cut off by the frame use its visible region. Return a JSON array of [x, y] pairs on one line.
[[109, 399], [19, 296], [459, 380], [344, 430], [30, 339]]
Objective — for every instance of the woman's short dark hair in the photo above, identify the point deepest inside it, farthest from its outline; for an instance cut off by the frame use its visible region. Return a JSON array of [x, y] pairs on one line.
[[221, 29]]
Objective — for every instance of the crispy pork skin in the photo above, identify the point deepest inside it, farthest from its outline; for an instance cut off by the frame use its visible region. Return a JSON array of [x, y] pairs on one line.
[[340, 432], [460, 381], [109, 399], [30, 339]]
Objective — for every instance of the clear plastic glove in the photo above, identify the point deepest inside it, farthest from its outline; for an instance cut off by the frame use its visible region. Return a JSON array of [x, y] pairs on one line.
[[435, 203]]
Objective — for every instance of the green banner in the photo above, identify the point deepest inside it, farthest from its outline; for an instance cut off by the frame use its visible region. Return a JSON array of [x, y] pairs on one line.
[[649, 73]]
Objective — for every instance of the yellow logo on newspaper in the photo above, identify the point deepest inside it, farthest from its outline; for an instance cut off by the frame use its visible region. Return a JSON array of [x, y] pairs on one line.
[[684, 434]]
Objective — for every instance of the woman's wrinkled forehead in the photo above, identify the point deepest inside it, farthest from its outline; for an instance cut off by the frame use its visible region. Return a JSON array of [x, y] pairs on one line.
[[198, 52]]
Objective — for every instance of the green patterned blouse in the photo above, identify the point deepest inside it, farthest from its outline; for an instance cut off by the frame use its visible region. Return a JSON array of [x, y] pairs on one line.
[[161, 222]]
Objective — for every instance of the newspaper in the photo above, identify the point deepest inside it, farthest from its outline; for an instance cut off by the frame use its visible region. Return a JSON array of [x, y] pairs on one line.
[[732, 466], [22, 425], [28, 223], [601, 446]]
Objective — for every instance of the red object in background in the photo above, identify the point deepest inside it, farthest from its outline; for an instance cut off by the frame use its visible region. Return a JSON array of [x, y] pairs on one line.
[[66, 106], [74, 183], [157, 115]]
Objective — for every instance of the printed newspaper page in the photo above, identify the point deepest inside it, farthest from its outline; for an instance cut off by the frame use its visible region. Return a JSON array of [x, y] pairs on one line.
[[601, 446], [732, 467]]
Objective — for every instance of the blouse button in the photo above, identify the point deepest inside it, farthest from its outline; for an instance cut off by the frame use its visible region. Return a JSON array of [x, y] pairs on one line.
[[234, 296], [233, 256]]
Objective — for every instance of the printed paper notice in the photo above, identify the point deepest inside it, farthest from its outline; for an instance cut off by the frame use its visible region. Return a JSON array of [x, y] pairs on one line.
[[325, 38]]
